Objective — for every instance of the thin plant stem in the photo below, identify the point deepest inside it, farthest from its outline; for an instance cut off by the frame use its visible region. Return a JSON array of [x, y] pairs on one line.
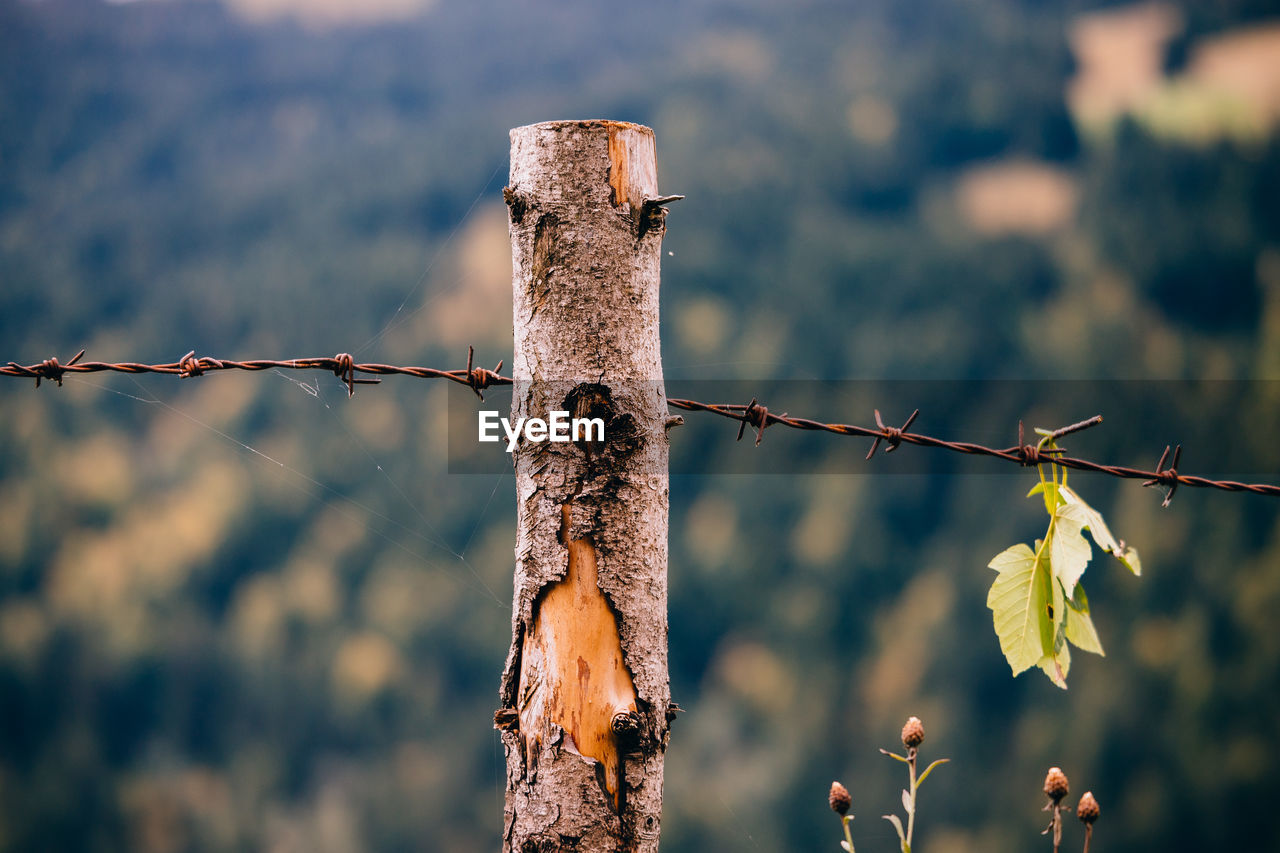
[[848, 837], [911, 815]]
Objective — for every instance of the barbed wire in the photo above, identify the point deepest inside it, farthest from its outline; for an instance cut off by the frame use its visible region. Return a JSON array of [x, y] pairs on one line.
[[753, 414], [342, 365]]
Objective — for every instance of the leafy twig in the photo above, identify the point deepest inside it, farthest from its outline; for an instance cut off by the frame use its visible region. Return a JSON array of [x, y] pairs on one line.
[[1037, 602], [912, 737]]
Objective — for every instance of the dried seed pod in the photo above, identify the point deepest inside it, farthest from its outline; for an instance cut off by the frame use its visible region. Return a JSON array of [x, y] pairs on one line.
[[913, 733], [1055, 784], [1088, 809], [839, 799]]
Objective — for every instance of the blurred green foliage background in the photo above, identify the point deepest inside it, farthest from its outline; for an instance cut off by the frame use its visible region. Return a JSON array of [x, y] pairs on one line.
[[245, 613]]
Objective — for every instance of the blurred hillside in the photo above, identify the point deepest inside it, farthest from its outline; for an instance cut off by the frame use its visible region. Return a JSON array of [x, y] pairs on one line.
[[245, 613]]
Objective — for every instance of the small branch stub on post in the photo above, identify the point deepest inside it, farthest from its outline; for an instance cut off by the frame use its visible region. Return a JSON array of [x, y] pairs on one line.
[[585, 698]]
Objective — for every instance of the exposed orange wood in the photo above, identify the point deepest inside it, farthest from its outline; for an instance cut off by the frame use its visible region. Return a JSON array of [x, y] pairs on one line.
[[572, 670], [631, 162]]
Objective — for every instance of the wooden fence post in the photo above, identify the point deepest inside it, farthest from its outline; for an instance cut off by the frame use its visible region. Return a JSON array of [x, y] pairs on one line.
[[585, 697]]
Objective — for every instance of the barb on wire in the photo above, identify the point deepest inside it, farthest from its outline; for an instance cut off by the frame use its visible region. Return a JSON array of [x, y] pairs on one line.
[[47, 369], [1168, 476], [753, 414], [479, 378], [1038, 454], [757, 416], [892, 436]]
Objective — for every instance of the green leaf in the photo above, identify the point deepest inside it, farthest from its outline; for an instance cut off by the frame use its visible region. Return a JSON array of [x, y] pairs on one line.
[[897, 824], [1092, 519], [1079, 627], [1019, 600], [1057, 665], [1069, 551], [1056, 611], [1101, 534], [1049, 490], [1011, 558], [1057, 658], [928, 770], [1130, 560]]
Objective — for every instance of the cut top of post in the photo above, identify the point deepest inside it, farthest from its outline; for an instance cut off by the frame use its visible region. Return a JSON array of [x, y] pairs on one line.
[[547, 161]]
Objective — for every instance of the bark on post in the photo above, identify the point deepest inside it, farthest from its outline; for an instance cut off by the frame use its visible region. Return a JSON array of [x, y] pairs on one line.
[[585, 699]]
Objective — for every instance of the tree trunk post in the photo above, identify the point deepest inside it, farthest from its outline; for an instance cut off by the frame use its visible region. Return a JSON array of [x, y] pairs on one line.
[[585, 696]]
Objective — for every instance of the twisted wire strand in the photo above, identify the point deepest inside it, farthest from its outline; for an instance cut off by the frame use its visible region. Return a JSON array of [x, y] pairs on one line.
[[752, 414]]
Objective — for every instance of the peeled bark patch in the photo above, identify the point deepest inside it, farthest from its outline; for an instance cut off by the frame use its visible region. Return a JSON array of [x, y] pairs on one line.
[[572, 672], [585, 696], [632, 163]]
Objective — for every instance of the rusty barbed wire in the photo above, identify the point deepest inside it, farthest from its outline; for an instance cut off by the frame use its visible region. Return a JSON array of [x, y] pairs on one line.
[[753, 414], [342, 365], [1026, 455]]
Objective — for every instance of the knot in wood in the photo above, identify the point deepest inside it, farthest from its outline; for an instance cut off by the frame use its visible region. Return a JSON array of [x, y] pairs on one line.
[[506, 719], [517, 204], [626, 727]]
